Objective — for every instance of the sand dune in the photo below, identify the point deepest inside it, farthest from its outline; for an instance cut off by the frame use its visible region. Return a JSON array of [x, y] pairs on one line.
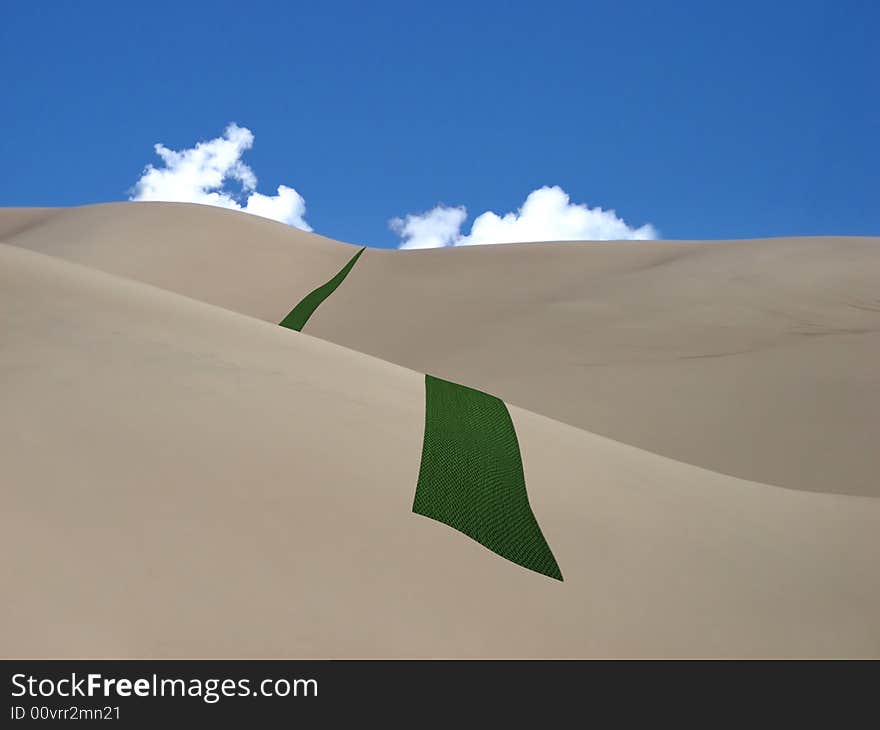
[[183, 480], [753, 358], [14, 221], [241, 262]]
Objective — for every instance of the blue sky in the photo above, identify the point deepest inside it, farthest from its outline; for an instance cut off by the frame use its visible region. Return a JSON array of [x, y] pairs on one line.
[[703, 119]]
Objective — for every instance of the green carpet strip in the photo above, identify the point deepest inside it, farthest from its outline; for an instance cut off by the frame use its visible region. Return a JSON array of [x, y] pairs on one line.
[[471, 477], [300, 314]]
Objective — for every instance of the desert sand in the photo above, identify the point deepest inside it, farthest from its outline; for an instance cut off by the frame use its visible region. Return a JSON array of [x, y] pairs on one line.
[[183, 478], [753, 358]]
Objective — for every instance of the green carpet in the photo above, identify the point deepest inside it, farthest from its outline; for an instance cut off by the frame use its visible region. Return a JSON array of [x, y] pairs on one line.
[[300, 314], [471, 477]]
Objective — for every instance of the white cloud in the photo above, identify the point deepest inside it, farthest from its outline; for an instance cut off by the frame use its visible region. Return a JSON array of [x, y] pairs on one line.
[[432, 229], [200, 175], [546, 215]]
